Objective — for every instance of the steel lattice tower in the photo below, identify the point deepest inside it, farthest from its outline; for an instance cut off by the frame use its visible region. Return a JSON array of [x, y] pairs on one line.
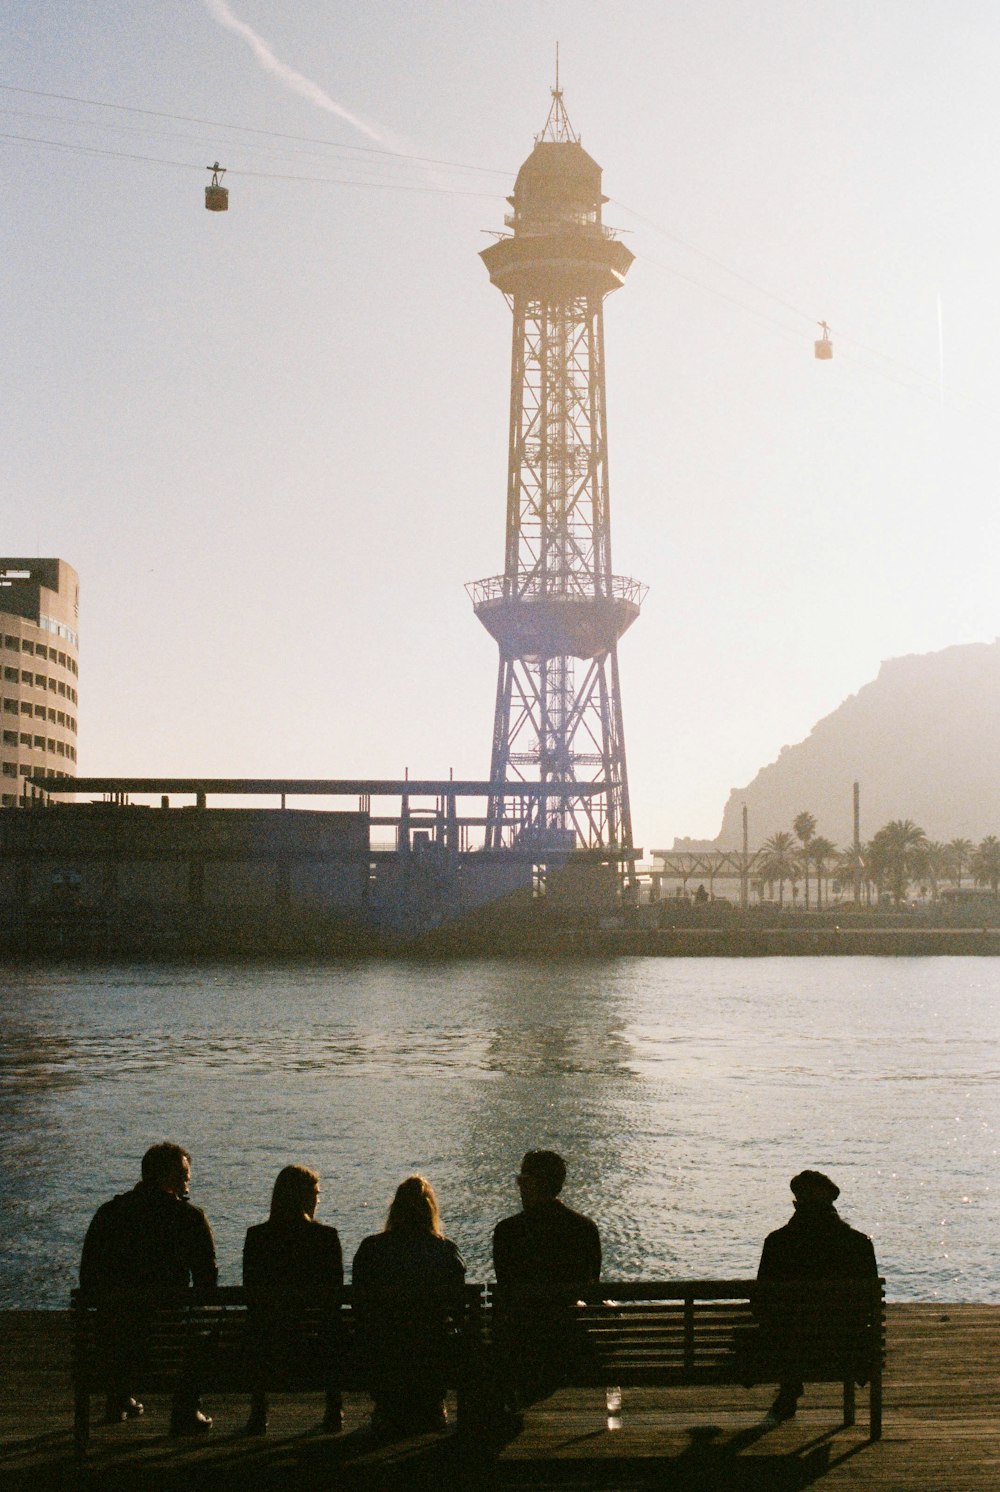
[[558, 611]]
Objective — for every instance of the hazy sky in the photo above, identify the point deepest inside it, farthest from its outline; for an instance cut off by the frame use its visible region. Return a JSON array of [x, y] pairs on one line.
[[273, 442]]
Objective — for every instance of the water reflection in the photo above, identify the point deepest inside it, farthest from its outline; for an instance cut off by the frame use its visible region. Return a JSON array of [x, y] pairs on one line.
[[683, 1093]]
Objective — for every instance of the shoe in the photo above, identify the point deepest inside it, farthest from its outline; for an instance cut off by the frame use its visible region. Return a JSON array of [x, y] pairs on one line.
[[382, 1427], [117, 1411], [192, 1423], [437, 1420], [783, 1408]]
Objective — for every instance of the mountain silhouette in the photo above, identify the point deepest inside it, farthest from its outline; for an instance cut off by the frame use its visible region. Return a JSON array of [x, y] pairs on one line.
[[923, 741]]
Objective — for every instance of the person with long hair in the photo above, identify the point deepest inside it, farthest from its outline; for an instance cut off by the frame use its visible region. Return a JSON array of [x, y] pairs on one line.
[[401, 1279], [293, 1272]]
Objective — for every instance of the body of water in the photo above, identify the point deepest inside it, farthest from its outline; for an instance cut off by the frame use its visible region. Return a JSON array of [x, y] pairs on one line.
[[684, 1093]]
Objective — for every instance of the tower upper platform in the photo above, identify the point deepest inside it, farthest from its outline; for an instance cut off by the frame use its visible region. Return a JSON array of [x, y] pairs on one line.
[[558, 246]]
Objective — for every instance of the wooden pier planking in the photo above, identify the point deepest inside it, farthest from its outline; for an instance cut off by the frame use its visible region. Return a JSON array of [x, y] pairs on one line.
[[942, 1430]]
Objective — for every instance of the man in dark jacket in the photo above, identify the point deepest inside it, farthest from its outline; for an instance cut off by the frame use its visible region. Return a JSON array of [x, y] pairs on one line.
[[545, 1244], [815, 1244], [146, 1239]]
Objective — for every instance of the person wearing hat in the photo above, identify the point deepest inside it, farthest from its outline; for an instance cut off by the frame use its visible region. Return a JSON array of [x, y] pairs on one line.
[[815, 1244]]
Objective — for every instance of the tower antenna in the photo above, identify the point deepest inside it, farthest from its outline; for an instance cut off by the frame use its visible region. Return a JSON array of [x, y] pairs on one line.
[[557, 125]]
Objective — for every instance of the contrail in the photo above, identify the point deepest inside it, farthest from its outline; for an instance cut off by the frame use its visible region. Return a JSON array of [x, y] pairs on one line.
[[292, 79]]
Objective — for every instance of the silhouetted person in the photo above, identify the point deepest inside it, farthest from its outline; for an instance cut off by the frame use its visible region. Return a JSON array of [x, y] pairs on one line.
[[815, 1244], [149, 1238], [400, 1326], [293, 1264], [549, 1244], [546, 1243]]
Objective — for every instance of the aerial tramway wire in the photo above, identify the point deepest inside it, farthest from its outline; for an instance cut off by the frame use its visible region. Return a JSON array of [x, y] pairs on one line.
[[250, 129], [926, 384], [125, 155]]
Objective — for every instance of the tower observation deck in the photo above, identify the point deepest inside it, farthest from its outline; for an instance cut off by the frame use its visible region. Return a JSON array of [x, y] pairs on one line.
[[557, 611]]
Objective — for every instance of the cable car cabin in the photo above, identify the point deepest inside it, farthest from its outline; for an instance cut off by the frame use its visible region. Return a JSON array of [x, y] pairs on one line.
[[824, 347], [216, 195]]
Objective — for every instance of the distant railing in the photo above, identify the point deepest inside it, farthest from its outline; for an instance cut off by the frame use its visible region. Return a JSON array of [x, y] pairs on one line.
[[570, 585], [526, 225]]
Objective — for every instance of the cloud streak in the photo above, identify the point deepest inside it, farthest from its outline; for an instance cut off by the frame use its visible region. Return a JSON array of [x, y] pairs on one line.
[[290, 77]]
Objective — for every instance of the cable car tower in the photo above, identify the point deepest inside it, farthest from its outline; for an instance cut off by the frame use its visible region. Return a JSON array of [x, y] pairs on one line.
[[557, 611]]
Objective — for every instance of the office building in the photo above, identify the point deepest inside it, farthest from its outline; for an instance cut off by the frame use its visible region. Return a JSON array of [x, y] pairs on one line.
[[39, 672]]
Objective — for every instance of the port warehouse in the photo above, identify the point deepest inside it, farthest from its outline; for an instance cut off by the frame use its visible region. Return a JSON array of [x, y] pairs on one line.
[[254, 867]]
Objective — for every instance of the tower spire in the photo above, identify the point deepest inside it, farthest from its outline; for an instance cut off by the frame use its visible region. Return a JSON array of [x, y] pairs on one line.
[[557, 125]]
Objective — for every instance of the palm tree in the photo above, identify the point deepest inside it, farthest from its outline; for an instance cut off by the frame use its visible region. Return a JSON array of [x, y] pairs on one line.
[[960, 852], [805, 828], [986, 863], [932, 861], [820, 850], [779, 861], [892, 851], [852, 870]]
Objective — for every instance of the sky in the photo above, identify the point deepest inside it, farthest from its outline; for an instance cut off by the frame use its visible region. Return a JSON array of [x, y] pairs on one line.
[[273, 441]]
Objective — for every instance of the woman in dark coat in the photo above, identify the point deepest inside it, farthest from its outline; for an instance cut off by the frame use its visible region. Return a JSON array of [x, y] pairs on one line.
[[293, 1272], [402, 1326]]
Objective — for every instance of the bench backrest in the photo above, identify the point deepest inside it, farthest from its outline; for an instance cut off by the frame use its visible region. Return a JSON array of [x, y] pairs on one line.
[[699, 1331], [164, 1331]]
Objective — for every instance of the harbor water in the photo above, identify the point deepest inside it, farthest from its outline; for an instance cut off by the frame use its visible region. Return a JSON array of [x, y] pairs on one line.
[[683, 1092]]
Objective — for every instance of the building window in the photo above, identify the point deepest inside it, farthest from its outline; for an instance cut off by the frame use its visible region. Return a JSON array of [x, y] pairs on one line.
[[62, 659], [10, 769], [52, 685], [25, 740], [10, 705], [26, 646], [24, 771], [60, 717], [10, 737], [52, 716], [71, 751], [39, 743], [62, 687], [10, 674], [40, 711], [12, 642], [50, 745], [7, 800], [25, 707], [60, 748], [27, 678]]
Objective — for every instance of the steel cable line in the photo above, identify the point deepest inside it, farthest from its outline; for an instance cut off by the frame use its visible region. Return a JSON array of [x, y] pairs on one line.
[[389, 156], [253, 130], [854, 347], [150, 131], [385, 186]]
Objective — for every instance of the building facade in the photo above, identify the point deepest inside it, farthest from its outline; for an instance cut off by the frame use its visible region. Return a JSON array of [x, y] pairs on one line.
[[39, 672]]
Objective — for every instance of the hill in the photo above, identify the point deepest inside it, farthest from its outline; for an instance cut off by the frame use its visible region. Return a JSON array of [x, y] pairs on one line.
[[923, 740]]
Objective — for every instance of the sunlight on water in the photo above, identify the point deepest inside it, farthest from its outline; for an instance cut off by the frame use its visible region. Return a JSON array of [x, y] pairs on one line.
[[684, 1093]]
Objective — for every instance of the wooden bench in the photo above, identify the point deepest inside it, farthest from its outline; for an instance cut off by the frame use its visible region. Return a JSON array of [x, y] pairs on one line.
[[691, 1332], [207, 1338]]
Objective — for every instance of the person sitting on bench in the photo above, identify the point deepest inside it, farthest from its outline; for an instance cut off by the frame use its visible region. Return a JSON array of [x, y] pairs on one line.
[[292, 1263], [546, 1243], [815, 1244], [149, 1238], [398, 1277]]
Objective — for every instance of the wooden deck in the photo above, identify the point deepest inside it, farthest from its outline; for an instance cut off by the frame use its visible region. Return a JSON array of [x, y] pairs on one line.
[[942, 1430]]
